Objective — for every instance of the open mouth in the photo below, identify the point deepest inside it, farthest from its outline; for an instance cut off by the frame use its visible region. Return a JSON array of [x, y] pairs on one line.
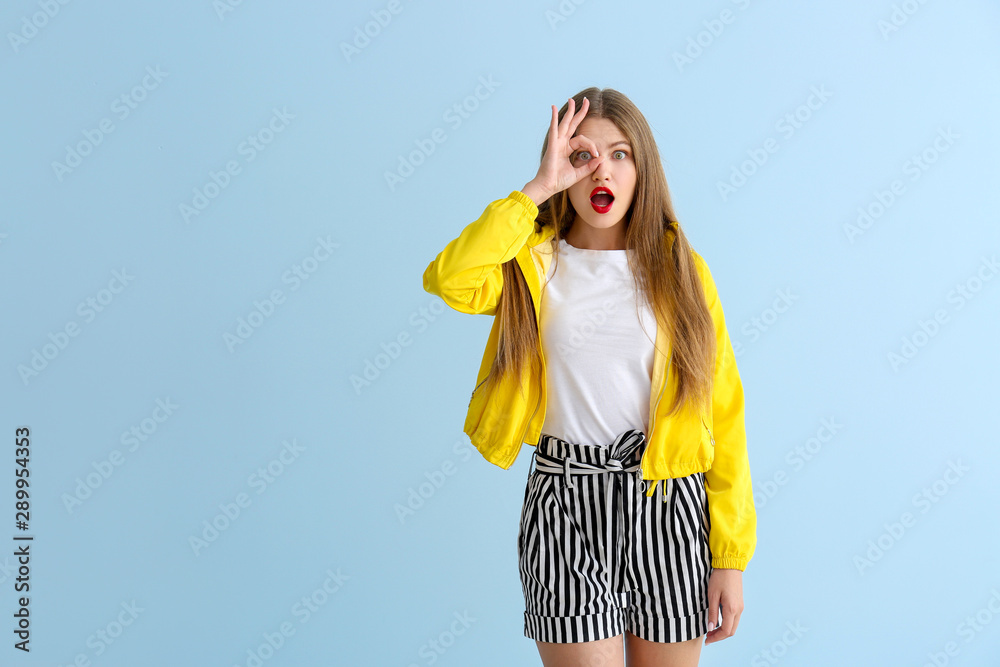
[[601, 199]]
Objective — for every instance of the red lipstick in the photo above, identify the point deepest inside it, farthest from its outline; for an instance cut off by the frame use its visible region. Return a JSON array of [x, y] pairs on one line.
[[604, 202]]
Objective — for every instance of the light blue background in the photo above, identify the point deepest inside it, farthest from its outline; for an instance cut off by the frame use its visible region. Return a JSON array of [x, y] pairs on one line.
[[333, 507]]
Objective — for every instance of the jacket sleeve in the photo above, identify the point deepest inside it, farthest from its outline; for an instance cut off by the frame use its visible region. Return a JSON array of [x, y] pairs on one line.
[[468, 273], [733, 532]]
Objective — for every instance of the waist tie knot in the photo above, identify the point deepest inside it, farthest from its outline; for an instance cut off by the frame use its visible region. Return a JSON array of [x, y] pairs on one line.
[[618, 458], [622, 456]]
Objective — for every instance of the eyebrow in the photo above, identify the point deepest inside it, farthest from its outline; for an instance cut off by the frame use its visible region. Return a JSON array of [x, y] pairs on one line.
[[620, 143]]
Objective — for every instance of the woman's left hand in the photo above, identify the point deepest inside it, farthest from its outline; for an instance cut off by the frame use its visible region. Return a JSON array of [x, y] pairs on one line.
[[725, 587]]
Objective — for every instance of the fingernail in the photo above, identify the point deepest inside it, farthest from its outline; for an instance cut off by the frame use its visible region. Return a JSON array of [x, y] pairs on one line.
[[711, 626]]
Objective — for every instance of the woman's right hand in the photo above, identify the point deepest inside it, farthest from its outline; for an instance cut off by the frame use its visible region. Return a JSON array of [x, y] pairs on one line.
[[556, 172]]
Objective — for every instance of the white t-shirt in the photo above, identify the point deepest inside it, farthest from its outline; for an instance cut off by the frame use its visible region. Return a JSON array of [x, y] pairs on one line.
[[598, 349]]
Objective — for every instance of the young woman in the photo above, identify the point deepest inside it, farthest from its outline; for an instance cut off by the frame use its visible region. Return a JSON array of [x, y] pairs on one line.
[[620, 371]]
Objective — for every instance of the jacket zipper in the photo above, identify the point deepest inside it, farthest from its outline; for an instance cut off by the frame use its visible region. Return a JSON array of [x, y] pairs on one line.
[[538, 401], [652, 418], [474, 393], [538, 404], [660, 395]]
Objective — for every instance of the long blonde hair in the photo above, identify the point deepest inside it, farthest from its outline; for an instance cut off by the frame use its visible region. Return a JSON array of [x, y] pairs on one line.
[[660, 261]]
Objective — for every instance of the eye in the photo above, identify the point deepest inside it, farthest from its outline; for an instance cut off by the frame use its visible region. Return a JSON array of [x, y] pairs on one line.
[[585, 155]]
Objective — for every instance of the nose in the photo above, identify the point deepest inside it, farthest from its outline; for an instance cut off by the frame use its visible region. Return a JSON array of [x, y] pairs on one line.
[[603, 171]]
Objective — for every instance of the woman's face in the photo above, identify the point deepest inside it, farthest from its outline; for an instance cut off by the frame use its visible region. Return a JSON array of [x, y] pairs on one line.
[[616, 173]]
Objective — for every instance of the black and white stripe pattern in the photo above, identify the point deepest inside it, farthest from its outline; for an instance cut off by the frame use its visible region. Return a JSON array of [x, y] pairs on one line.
[[598, 557]]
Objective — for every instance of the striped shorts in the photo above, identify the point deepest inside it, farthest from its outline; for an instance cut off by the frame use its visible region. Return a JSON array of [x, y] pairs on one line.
[[597, 556]]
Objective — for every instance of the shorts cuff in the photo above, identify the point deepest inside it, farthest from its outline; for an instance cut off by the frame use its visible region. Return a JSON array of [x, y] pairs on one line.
[[646, 625], [572, 629]]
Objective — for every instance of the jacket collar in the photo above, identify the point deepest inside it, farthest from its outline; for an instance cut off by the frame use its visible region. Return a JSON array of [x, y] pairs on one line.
[[539, 236]]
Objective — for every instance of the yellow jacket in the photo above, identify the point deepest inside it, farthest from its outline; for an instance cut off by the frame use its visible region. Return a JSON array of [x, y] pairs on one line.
[[468, 276]]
